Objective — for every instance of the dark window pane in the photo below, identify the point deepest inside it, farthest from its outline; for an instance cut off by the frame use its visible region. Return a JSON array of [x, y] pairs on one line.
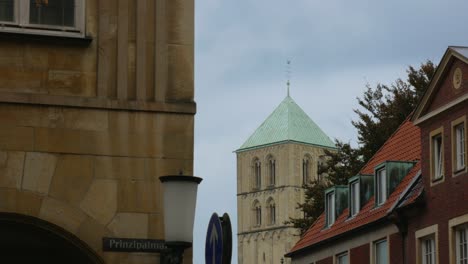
[[6, 10], [52, 12]]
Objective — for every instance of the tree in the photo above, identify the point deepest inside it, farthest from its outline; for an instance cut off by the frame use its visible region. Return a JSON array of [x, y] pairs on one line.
[[338, 167], [384, 108]]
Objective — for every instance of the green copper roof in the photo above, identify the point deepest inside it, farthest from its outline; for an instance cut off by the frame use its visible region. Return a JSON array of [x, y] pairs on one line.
[[288, 122]]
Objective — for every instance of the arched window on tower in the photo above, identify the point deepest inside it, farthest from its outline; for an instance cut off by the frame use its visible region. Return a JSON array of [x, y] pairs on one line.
[[271, 207], [306, 164], [256, 214], [271, 170], [257, 174], [322, 161]]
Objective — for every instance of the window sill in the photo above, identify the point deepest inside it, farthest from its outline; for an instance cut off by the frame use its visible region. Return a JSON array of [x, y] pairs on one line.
[[45, 38], [437, 181], [459, 172]]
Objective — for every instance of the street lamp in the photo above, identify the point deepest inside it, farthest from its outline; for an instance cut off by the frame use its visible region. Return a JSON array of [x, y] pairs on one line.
[[179, 200]]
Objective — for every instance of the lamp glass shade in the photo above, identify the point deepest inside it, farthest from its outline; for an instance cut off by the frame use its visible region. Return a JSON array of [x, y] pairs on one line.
[[179, 196]]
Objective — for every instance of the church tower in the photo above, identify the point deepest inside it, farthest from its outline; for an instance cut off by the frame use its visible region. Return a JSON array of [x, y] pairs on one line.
[[272, 166]]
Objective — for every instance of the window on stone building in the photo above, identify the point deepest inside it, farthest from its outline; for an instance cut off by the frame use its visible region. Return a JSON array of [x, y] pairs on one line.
[[461, 244], [257, 214], [271, 171], [459, 144], [257, 174], [342, 258], [381, 186], [381, 252], [437, 155], [50, 17], [321, 162], [306, 164], [330, 208], [271, 212], [354, 198]]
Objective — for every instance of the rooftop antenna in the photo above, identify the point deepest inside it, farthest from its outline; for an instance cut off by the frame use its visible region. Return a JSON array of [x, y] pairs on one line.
[[288, 73]]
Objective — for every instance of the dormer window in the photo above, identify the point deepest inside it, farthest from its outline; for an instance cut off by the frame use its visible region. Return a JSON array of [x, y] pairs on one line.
[[381, 186], [354, 199], [330, 207]]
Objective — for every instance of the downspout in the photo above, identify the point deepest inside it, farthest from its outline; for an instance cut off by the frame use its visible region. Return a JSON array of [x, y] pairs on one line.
[[401, 223]]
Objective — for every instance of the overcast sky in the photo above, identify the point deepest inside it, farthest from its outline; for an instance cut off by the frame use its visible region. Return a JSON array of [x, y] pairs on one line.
[[336, 47]]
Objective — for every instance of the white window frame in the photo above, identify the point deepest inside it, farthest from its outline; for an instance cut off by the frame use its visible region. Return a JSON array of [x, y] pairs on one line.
[[425, 237], [461, 244], [437, 156], [374, 251], [428, 250], [340, 257], [459, 145], [381, 186], [354, 198], [330, 200], [21, 23]]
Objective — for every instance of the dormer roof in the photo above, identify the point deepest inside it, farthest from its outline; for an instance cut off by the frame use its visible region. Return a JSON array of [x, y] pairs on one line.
[[287, 123], [403, 145]]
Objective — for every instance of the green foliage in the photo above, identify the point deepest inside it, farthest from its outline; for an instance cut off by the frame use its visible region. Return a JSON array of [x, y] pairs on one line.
[[337, 168], [384, 108]]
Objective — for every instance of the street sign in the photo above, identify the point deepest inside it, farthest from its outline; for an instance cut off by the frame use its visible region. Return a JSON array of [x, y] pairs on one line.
[[214, 241], [227, 238]]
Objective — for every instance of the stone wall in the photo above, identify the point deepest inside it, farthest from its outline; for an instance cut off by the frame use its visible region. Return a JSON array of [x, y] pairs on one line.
[[86, 130]]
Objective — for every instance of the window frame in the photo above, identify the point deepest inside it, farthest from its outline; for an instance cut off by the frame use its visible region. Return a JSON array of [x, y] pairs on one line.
[[374, 250], [21, 22], [456, 169], [256, 174], [381, 192], [457, 237], [343, 254], [423, 235], [455, 224], [355, 198], [436, 179], [330, 214]]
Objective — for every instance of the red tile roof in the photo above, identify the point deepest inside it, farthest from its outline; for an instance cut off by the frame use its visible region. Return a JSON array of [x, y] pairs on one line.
[[403, 145]]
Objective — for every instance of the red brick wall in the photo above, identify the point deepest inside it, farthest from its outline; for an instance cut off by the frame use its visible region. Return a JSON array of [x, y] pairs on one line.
[[396, 249], [447, 199], [360, 254], [328, 260], [447, 92]]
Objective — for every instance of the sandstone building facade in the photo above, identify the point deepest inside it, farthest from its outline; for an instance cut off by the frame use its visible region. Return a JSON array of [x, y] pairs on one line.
[[272, 166], [96, 102]]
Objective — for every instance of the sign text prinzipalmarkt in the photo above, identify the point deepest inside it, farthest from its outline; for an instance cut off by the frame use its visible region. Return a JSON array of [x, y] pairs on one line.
[[132, 245]]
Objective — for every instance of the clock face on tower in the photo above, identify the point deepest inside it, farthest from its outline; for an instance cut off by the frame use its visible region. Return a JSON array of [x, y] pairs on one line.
[[457, 78]]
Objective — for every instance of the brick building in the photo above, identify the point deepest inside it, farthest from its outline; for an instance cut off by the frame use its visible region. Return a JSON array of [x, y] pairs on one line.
[[96, 102], [409, 202]]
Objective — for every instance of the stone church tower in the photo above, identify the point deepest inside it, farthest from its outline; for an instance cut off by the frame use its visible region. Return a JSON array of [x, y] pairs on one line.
[[272, 165]]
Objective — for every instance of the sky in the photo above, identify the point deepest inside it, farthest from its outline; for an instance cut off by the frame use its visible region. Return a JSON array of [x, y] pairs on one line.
[[336, 47]]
